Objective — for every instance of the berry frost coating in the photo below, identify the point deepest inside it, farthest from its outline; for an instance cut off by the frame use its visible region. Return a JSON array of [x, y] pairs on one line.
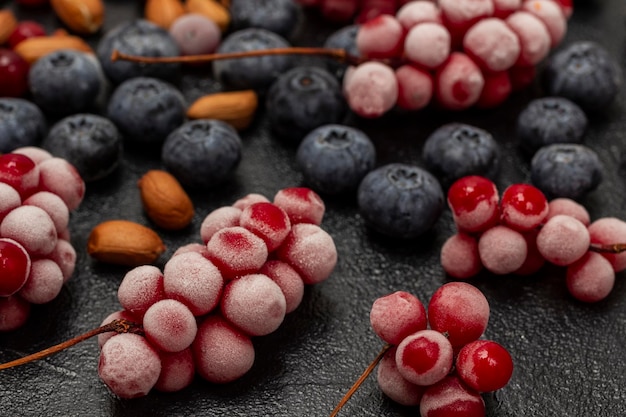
[[608, 230], [169, 325], [502, 250], [591, 278], [425, 357], [451, 398], [21, 124], [301, 204], [371, 89], [394, 385], [236, 251], [459, 256], [484, 365], [400, 200], [473, 201], [563, 240], [267, 221], [395, 316]]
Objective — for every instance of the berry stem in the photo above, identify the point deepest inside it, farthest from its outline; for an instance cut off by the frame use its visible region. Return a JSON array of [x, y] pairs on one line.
[[118, 326], [338, 54], [608, 248], [361, 379]]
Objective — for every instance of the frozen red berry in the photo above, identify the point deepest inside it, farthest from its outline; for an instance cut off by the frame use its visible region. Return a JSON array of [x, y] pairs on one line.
[[177, 371], [608, 231], [551, 14], [169, 325], [568, 207], [380, 37], [61, 178], [236, 251], [484, 365], [492, 44], [451, 398], [424, 358], [397, 315], [371, 89], [44, 283], [591, 278], [14, 312], [458, 82], [32, 227], [502, 250], [563, 240], [474, 203], [414, 12], [248, 199], [218, 219], [267, 221], [394, 385], [415, 87], [523, 207], [20, 172], [427, 44], [533, 36], [288, 280], [459, 256], [301, 204]]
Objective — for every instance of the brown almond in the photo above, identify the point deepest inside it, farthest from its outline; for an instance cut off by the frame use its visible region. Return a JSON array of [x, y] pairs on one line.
[[123, 242], [234, 107], [32, 49], [211, 9], [8, 22], [81, 16], [165, 201], [163, 12]]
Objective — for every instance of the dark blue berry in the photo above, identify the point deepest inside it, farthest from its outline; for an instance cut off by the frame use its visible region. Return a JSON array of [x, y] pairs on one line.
[[344, 38], [278, 16], [65, 82], [146, 110], [256, 72], [91, 143], [566, 170], [550, 120], [456, 150], [137, 37], [202, 153], [335, 158], [21, 124], [400, 200], [585, 73], [302, 99]]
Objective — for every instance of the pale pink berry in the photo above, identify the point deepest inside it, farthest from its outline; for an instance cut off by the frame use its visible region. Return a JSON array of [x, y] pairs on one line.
[[371, 89], [32, 227], [195, 34], [415, 87], [424, 358], [492, 45], [591, 278], [14, 312], [129, 366], [44, 283], [380, 37], [288, 280], [236, 251], [533, 37], [20, 172], [61, 178], [451, 398], [608, 231], [9, 199], [248, 199], [415, 12], [221, 352], [267, 221], [551, 14], [177, 371], [397, 315], [460, 15], [458, 82], [219, 219], [116, 315], [301, 204], [64, 255], [394, 385], [502, 250], [503, 8], [459, 256], [427, 44], [192, 247], [35, 153], [169, 325], [563, 240], [140, 288], [53, 205], [568, 207]]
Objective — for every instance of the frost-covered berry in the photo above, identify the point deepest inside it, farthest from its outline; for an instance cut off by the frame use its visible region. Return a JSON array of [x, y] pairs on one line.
[[395, 316], [502, 250], [608, 231], [371, 89], [473, 201], [523, 207], [484, 365], [425, 357], [563, 240], [591, 278], [458, 82], [394, 385], [459, 256], [451, 398]]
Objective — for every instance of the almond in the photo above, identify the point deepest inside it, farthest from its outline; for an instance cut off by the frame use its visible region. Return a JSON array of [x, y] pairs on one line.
[[211, 9], [7, 24], [165, 201], [81, 16], [234, 107], [32, 49], [163, 12], [123, 242]]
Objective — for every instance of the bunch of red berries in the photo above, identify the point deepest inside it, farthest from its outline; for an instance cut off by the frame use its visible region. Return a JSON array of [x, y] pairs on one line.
[[454, 53], [37, 193], [446, 367], [519, 231], [200, 313]]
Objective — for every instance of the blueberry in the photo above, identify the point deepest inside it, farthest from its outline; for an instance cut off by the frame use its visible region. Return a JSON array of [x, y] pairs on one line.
[[278, 16], [202, 153], [91, 143], [21, 124], [335, 158], [400, 200], [585, 73], [146, 109], [344, 38], [550, 120], [302, 99], [566, 170], [251, 73], [137, 37], [65, 82], [455, 150]]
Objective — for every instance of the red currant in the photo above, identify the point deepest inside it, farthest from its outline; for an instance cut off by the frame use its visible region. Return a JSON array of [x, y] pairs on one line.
[[484, 365], [20, 172], [13, 74], [24, 30], [14, 267]]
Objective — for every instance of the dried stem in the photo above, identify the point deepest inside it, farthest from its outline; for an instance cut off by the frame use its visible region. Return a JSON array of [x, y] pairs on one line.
[[361, 379], [609, 248], [337, 54], [118, 326]]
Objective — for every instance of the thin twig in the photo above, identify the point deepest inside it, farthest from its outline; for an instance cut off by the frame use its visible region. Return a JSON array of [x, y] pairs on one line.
[[615, 248]]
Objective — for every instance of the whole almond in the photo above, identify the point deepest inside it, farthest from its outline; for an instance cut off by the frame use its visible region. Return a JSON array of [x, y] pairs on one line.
[[123, 242], [163, 12], [81, 16], [234, 107], [32, 49], [211, 9], [8, 22], [165, 201]]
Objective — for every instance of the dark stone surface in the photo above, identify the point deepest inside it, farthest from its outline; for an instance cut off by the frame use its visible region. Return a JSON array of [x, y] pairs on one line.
[[569, 356]]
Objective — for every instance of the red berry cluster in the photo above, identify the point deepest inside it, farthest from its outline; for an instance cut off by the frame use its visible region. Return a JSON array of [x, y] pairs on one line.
[[200, 312], [519, 231], [444, 368], [37, 193], [455, 53]]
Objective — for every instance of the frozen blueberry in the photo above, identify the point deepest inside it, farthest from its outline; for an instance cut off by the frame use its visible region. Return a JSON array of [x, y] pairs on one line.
[[455, 150], [146, 109], [344, 38], [278, 16], [202, 153], [251, 73], [91, 143], [566, 170], [65, 82], [302, 99], [550, 120], [585, 73], [335, 158], [21, 124], [400, 200], [137, 37]]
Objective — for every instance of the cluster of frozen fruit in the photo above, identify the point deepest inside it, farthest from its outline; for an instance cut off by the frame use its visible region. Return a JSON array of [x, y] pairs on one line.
[[200, 313], [438, 360], [520, 231], [455, 53], [37, 193]]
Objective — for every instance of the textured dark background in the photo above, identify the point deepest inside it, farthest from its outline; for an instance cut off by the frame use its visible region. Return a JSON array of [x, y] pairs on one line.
[[569, 356]]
